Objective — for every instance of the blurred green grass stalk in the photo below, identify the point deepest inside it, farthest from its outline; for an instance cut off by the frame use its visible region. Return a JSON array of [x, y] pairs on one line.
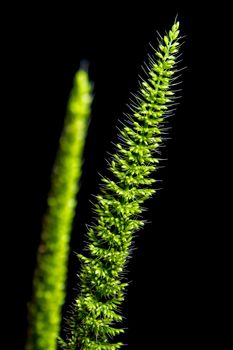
[[50, 274]]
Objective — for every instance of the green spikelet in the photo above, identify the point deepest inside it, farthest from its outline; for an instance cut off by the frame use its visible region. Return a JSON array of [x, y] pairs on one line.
[[119, 205], [50, 274]]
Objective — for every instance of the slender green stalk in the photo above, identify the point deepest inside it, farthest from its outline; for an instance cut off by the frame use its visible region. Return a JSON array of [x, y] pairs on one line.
[[50, 274], [117, 211]]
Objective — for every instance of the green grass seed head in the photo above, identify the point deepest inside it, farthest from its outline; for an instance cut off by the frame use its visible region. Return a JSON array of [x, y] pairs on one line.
[[96, 317]]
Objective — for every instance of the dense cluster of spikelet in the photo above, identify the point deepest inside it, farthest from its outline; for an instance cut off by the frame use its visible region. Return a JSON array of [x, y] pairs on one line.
[[96, 312]]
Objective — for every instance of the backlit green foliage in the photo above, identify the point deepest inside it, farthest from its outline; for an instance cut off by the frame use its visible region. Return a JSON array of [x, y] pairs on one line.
[[51, 270], [96, 318]]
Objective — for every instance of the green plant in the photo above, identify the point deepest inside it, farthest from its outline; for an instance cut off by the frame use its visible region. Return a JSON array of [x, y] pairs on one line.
[[50, 274], [119, 206]]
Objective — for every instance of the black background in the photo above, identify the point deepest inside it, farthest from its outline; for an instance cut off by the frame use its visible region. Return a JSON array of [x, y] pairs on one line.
[[172, 295]]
